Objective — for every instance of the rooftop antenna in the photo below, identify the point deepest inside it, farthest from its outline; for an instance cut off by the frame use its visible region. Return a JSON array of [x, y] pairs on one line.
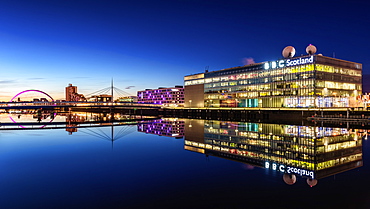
[[333, 54], [206, 69]]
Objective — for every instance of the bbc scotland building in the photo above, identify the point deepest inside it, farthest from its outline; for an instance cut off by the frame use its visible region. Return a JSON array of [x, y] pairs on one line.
[[310, 81]]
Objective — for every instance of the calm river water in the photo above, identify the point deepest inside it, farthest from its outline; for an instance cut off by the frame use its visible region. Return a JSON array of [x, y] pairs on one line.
[[182, 163]]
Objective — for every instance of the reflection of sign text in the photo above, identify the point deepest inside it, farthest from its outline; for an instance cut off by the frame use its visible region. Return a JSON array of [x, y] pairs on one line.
[[289, 169]]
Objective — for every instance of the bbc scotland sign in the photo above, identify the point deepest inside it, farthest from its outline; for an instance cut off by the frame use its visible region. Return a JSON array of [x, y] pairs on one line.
[[288, 63]]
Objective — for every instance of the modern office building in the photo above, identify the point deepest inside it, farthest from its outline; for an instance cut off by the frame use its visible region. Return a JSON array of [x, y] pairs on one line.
[[172, 97], [305, 81], [306, 151]]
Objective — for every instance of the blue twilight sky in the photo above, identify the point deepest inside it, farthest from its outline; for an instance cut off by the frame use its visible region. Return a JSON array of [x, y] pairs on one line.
[[47, 44]]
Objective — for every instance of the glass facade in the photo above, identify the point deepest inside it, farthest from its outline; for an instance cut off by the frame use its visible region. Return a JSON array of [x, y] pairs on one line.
[[319, 82]]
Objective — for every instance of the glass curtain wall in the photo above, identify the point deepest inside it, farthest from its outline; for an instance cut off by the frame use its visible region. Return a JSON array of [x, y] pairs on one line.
[[309, 85]]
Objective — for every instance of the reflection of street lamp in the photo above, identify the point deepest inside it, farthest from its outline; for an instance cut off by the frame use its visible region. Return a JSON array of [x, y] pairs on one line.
[[324, 94], [335, 98], [190, 102]]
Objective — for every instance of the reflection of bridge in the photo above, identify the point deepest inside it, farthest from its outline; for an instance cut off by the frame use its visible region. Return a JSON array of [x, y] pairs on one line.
[[56, 105], [63, 125], [114, 134]]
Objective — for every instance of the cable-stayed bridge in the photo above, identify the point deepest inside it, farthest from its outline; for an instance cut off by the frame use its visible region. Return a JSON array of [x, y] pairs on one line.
[[110, 91]]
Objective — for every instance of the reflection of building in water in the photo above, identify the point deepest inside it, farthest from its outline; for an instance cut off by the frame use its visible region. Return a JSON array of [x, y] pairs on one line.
[[164, 127], [310, 152], [73, 118]]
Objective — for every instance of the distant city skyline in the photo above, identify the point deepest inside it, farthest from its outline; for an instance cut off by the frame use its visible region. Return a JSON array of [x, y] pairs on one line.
[[46, 45]]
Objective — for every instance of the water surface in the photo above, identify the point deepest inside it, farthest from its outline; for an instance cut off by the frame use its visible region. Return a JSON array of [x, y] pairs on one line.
[[52, 168]]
